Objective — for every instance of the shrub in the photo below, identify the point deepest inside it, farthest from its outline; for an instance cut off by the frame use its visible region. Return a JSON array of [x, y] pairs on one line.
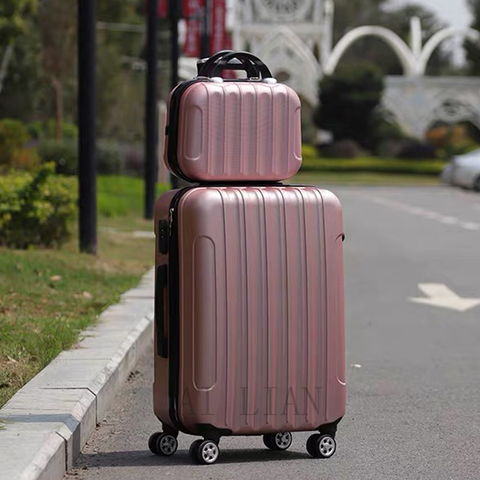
[[110, 158], [349, 101], [35, 208], [417, 150], [134, 160], [46, 130], [13, 151], [342, 149], [63, 153]]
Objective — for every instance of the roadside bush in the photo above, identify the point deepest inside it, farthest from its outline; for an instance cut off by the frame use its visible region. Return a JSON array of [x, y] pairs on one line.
[[134, 160], [46, 130], [35, 208], [349, 101], [14, 152], [64, 153], [417, 150], [342, 149], [314, 163], [110, 158]]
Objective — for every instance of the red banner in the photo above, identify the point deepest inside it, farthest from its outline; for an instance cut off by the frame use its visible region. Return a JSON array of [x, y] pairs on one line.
[[192, 10], [162, 8], [193, 13], [219, 39]]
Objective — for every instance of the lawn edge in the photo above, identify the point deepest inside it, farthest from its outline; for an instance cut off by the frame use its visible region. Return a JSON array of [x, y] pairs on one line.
[[49, 420]]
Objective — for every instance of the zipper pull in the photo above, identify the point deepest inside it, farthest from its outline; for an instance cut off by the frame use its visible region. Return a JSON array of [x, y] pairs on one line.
[[170, 219]]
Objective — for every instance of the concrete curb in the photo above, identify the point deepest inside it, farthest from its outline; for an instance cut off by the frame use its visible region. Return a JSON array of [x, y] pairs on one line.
[[49, 420]]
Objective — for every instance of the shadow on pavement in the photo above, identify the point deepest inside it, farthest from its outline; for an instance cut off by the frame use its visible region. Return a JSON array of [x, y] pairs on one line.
[[138, 458]]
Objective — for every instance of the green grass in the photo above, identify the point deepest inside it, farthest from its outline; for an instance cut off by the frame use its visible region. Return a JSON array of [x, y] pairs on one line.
[[119, 196], [47, 297]]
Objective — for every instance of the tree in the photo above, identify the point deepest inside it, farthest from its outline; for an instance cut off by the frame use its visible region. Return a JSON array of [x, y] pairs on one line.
[[349, 100], [473, 48], [13, 23], [13, 19], [57, 22]]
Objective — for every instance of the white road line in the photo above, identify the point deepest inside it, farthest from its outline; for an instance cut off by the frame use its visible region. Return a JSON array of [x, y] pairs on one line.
[[428, 214]]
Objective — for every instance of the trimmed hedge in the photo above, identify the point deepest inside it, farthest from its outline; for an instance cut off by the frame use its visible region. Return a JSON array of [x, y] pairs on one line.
[[111, 159], [313, 163], [14, 152], [35, 208], [63, 153]]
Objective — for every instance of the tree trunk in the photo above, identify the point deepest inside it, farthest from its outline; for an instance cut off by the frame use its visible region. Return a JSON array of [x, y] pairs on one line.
[[58, 91], [7, 56]]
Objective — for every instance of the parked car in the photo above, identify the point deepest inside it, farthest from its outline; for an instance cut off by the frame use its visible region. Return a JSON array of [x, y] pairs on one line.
[[464, 171]]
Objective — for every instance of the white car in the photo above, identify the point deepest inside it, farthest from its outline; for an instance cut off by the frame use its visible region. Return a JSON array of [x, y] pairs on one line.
[[464, 171]]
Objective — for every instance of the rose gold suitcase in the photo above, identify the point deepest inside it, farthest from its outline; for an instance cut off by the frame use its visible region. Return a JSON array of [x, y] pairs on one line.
[[249, 317], [233, 131]]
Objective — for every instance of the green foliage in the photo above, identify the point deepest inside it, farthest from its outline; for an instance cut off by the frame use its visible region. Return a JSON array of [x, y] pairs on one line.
[[348, 102], [13, 15], [64, 154], [26, 93], [35, 209], [110, 158], [13, 151], [473, 48], [313, 163], [46, 130]]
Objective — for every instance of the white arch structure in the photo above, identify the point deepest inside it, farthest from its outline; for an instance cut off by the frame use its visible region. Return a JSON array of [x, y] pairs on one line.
[[414, 58], [403, 51], [293, 48], [287, 52], [434, 42]]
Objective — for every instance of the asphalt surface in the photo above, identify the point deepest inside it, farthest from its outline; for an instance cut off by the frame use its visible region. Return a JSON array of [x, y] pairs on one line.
[[413, 370]]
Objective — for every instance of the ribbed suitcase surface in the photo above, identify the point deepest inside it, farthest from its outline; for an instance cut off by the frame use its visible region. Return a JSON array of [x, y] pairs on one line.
[[238, 131], [261, 322]]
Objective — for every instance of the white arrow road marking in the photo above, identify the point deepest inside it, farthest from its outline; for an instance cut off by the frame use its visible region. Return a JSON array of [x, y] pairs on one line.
[[440, 295]]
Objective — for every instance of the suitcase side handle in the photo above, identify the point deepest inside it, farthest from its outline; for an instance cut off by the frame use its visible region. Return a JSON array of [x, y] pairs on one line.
[[206, 66], [261, 68], [160, 288]]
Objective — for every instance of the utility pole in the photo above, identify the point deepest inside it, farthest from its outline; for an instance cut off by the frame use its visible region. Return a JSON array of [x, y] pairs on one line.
[[151, 154], [87, 165], [174, 16], [206, 30]]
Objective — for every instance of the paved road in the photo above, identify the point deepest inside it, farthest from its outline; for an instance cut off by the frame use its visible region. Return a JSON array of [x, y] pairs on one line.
[[413, 406]]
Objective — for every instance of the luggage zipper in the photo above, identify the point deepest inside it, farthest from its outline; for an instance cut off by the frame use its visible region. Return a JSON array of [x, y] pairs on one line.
[[170, 220], [173, 311]]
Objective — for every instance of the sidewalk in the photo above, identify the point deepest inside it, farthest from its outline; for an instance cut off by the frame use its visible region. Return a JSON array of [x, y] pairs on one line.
[[46, 424]]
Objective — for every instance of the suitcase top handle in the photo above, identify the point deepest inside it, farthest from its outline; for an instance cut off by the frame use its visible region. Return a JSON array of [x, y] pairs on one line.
[[254, 67], [205, 65]]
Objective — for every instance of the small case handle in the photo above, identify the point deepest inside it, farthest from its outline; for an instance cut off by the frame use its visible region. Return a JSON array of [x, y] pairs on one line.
[[244, 57], [206, 66]]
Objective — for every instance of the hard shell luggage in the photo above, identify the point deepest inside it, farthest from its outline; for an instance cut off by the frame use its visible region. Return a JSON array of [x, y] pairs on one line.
[[249, 317], [233, 131]]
